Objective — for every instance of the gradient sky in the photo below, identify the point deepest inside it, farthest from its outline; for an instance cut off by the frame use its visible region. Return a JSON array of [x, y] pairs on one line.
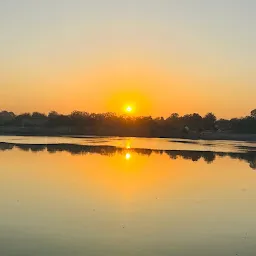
[[163, 56]]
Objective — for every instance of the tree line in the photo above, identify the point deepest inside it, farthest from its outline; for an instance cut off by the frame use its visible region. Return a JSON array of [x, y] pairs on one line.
[[80, 122]]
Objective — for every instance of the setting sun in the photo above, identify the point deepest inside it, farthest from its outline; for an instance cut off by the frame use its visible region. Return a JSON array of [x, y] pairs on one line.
[[129, 109]]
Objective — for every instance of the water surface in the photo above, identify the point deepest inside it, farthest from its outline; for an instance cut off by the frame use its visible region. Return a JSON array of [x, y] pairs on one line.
[[112, 196]]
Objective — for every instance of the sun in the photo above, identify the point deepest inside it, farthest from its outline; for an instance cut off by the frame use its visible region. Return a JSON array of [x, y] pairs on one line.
[[129, 109]]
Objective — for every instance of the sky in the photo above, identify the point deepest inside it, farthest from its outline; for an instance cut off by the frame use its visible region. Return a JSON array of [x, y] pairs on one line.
[[160, 56]]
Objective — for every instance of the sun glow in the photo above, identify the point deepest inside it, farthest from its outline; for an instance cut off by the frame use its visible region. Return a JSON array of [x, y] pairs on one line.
[[129, 109], [127, 156]]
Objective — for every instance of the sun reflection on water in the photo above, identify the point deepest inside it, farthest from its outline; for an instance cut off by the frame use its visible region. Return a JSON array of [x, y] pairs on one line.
[[128, 144], [128, 156]]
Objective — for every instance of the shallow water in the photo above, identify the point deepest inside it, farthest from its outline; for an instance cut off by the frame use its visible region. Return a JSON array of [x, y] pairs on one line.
[[142, 143], [128, 196]]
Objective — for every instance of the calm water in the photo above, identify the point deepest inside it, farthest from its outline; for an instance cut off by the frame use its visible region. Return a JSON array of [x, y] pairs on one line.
[[112, 196]]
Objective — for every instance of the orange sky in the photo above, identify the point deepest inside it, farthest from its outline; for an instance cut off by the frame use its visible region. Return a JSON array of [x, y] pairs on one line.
[[160, 57]]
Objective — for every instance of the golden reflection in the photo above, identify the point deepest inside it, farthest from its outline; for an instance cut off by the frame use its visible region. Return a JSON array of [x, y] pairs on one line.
[[128, 156], [128, 177], [128, 145]]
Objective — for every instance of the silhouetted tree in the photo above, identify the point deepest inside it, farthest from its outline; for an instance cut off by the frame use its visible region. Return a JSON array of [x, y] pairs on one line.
[[38, 115], [253, 113], [79, 122], [53, 114], [6, 117], [174, 116], [209, 121]]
